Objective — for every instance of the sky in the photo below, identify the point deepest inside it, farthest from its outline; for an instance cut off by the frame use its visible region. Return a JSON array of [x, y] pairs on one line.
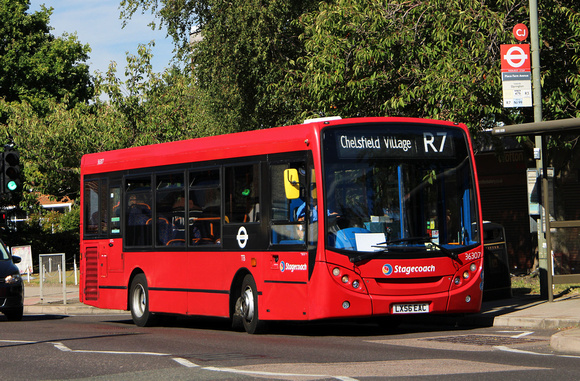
[[97, 23]]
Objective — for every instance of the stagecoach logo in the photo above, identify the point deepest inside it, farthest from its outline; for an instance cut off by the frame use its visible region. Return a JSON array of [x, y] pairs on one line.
[[291, 267], [242, 237], [407, 270], [387, 269]]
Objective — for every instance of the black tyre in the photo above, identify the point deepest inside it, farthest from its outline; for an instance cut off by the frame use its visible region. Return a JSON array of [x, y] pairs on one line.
[[15, 314], [249, 306], [139, 302]]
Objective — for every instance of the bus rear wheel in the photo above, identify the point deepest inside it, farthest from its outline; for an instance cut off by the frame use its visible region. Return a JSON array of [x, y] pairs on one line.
[[249, 306], [139, 302]]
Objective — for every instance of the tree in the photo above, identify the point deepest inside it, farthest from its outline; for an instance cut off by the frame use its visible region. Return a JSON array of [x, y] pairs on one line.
[[35, 65], [147, 108], [247, 46], [437, 59], [51, 145], [156, 107]]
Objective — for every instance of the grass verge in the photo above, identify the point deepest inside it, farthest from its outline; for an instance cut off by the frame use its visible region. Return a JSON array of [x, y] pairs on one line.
[[530, 285]]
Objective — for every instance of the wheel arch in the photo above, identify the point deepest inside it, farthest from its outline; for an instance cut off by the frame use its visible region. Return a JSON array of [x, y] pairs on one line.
[[136, 271], [236, 288]]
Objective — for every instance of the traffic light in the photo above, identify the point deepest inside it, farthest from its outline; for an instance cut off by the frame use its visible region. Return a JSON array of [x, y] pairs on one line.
[[11, 170]]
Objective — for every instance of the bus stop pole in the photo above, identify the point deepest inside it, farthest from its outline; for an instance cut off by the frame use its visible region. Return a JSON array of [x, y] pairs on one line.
[[548, 231], [544, 259]]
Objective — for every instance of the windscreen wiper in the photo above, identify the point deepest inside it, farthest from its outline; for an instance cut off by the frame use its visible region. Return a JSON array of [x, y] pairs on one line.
[[425, 239]]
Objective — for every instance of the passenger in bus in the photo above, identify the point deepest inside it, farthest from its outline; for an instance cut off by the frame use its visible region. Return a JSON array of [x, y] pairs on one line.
[[139, 233]]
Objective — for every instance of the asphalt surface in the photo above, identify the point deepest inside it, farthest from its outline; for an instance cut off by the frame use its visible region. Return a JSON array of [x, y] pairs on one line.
[[525, 311]]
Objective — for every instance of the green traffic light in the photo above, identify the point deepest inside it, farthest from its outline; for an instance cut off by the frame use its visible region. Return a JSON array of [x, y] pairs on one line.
[[12, 185]]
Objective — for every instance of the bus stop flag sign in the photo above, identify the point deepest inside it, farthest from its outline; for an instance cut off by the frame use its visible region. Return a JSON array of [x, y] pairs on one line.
[[516, 75], [515, 58]]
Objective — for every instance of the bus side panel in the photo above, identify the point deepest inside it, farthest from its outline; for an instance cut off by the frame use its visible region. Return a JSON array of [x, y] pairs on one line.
[[167, 276], [113, 298], [284, 290], [99, 286], [167, 301], [209, 278]]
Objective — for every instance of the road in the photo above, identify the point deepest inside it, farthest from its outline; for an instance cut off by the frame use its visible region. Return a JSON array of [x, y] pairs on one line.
[[110, 347]]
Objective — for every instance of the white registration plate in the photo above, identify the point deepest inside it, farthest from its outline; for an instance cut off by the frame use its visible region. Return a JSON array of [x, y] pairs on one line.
[[411, 308]]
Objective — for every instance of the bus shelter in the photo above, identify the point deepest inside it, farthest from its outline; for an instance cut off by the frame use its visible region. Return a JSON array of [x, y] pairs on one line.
[[546, 129]]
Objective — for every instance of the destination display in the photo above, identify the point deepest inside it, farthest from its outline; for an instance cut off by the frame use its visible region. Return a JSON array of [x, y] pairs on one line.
[[421, 144]]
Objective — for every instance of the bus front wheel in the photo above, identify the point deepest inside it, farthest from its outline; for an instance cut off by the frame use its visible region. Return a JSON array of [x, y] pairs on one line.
[[249, 306], [139, 302]]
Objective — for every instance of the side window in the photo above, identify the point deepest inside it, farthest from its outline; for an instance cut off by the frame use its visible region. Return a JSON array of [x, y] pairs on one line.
[[96, 207], [288, 215], [91, 207], [115, 209], [204, 207], [138, 220], [170, 210], [312, 219], [104, 209], [242, 194]]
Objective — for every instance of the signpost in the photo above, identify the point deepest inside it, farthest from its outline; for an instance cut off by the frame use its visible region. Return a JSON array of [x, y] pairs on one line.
[[516, 74]]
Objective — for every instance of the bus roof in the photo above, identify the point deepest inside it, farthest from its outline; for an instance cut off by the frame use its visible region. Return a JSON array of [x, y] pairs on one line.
[[258, 142]]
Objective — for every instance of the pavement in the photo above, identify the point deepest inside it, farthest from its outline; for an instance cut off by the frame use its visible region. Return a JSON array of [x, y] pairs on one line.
[[522, 311]]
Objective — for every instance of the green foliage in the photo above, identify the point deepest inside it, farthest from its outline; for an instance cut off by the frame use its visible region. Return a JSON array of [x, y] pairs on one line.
[[275, 62], [36, 66], [247, 46], [560, 58], [49, 232], [155, 108], [55, 222], [177, 16], [436, 59], [51, 146], [146, 109]]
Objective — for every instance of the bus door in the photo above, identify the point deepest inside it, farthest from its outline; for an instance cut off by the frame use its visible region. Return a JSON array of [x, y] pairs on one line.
[[114, 246], [293, 235]]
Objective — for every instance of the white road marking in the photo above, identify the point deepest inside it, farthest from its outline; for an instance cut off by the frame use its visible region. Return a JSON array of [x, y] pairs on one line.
[[185, 363], [265, 374], [64, 348], [312, 371], [522, 334], [519, 351]]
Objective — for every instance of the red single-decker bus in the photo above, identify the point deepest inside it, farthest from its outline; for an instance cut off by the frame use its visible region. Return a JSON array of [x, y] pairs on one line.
[[333, 218]]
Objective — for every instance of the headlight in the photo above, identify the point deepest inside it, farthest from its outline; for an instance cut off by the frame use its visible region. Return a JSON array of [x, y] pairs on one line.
[[13, 279]]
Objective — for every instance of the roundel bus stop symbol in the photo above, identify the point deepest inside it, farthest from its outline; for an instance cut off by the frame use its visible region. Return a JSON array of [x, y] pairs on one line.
[[515, 57]]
